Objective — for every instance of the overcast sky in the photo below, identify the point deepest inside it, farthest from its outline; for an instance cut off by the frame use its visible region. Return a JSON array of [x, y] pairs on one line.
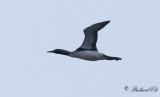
[[29, 28]]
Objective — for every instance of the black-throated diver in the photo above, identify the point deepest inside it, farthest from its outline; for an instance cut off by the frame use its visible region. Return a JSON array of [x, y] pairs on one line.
[[88, 50]]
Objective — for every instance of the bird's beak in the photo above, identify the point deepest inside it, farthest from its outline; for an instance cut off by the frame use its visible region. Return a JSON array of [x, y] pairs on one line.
[[49, 51]]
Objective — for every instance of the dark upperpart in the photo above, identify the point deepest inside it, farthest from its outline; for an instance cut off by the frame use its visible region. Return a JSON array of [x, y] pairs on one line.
[[60, 51], [91, 35]]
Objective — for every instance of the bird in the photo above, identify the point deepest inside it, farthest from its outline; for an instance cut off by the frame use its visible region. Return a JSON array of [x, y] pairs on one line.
[[88, 50]]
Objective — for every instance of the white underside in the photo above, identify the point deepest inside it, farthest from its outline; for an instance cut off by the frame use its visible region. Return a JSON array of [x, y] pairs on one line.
[[88, 55]]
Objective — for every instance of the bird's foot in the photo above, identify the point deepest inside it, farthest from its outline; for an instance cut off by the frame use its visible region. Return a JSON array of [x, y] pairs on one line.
[[117, 58]]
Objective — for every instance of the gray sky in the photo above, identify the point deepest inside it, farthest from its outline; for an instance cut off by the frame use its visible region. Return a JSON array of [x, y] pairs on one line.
[[29, 28]]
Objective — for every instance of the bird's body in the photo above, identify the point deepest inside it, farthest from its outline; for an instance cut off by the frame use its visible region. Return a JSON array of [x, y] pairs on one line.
[[87, 55], [88, 50]]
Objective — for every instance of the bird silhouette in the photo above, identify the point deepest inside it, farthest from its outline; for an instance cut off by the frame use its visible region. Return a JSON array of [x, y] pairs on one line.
[[88, 49]]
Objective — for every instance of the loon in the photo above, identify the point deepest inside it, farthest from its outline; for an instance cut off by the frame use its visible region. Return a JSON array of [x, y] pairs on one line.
[[88, 50]]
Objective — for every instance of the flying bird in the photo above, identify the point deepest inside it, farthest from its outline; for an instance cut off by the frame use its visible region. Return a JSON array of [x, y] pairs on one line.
[[88, 50]]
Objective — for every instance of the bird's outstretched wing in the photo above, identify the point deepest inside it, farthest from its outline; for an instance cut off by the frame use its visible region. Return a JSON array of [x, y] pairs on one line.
[[91, 35]]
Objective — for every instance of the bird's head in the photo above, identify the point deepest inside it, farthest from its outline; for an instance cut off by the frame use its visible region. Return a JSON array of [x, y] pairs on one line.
[[60, 51], [53, 51]]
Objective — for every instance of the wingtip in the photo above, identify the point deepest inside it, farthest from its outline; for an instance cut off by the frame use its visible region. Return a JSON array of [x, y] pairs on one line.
[[108, 21]]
